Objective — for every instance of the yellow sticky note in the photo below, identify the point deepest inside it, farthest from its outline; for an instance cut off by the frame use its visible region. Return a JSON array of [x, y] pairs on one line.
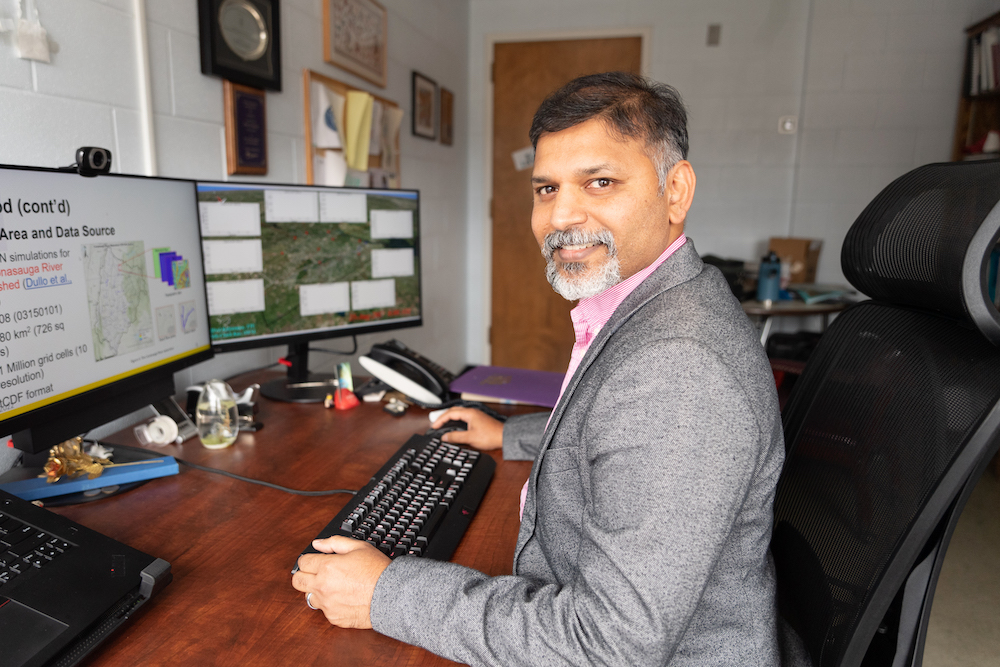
[[359, 128]]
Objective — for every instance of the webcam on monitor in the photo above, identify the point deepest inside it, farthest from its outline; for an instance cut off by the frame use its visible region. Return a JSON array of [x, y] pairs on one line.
[[91, 161]]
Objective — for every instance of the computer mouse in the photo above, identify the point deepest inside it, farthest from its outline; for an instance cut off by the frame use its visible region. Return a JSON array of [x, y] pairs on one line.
[[454, 425], [447, 427]]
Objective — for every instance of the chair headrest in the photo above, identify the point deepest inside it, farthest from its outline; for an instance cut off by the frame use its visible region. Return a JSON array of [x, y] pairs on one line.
[[925, 241]]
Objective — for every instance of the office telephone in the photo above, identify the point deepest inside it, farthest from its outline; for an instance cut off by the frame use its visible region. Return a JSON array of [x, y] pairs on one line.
[[408, 372]]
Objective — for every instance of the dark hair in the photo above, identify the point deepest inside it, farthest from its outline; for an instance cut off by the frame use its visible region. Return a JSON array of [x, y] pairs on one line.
[[631, 106]]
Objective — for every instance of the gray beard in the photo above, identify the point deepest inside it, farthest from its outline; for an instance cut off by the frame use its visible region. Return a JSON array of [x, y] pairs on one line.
[[572, 280]]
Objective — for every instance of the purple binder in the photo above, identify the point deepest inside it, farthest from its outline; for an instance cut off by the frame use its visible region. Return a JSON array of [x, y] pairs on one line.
[[510, 385]]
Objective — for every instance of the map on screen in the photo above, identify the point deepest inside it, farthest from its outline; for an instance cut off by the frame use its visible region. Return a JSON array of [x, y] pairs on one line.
[[286, 260]]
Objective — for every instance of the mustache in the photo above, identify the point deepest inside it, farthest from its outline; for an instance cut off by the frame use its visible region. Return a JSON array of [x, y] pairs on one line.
[[556, 240]]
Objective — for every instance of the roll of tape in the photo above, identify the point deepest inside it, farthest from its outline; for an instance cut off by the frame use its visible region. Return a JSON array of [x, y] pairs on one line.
[[162, 430]]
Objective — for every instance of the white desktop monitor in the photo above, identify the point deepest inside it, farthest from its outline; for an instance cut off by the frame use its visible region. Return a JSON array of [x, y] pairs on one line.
[[102, 298]]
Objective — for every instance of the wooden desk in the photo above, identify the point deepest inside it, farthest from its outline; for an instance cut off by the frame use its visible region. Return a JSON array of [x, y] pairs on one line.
[[232, 544]]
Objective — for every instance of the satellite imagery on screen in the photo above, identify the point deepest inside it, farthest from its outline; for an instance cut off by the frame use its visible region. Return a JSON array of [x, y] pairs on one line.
[[282, 261]]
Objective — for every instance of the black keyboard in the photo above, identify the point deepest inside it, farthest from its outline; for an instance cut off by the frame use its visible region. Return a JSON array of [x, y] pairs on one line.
[[419, 503], [24, 548]]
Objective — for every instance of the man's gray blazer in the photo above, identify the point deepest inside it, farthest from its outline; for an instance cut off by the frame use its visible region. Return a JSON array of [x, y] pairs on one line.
[[645, 534]]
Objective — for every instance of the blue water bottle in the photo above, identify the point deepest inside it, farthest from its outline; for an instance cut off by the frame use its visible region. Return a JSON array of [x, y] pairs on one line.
[[769, 278]]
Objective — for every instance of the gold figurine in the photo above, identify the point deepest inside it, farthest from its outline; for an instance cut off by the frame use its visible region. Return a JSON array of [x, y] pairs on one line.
[[69, 459]]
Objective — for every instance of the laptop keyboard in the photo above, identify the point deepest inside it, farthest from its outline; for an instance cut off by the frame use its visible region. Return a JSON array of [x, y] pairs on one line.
[[23, 548]]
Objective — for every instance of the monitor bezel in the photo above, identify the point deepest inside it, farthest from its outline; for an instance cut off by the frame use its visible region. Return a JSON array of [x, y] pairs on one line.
[[329, 333], [105, 393]]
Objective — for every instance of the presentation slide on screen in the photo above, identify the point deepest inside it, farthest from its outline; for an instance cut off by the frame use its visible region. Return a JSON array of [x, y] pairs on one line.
[[296, 259], [100, 278]]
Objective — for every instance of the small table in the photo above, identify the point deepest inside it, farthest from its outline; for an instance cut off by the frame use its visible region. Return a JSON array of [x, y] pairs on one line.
[[767, 310]]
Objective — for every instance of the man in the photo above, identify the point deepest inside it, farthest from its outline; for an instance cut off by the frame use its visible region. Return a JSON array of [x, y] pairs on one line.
[[647, 515]]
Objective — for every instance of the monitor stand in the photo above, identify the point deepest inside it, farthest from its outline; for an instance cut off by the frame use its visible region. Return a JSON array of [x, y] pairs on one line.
[[300, 386]]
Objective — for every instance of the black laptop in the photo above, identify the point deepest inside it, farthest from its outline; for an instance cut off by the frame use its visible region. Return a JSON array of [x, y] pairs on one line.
[[64, 588]]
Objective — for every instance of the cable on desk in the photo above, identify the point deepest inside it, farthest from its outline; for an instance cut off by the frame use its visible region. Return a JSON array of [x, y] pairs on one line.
[[461, 403], [252, 370], [226, 473], [327, 351], [311, 349]]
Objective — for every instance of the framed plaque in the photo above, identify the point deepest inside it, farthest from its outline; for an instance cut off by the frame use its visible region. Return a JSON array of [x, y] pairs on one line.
[[246, 129], [424, 107], [355, 38], [240, 41], [447, 116]]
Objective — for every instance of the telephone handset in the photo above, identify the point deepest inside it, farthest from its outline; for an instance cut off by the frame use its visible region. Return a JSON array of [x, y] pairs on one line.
[[408, 372]]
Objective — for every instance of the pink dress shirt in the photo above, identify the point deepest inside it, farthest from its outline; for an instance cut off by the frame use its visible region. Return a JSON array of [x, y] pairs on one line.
[[591, 314]]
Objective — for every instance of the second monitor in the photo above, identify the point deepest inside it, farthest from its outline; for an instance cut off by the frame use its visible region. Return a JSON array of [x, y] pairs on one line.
[[288, 264]]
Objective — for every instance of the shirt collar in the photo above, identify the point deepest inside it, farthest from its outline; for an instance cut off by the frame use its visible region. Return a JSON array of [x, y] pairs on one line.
[[591, 314]]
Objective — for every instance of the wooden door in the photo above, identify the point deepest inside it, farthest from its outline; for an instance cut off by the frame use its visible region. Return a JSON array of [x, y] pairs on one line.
[[530, 325]]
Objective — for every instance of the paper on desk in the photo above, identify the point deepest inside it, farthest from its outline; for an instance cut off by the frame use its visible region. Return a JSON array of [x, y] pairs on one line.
[[358, 119], [328, 116]]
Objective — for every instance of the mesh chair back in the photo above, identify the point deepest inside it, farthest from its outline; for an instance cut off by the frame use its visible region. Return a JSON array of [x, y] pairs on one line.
[[896, 408], [925, 241]]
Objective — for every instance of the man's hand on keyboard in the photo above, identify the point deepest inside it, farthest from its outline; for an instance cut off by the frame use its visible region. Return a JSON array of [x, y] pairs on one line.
[[482, 432], [341, 579]]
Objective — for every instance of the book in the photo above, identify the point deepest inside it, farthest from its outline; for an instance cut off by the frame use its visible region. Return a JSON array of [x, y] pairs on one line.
[[818, 293], [820, 297], [986, 62], [500, 384], [995, 63], [988, 74], [483, 398], [37, 488], [974, 79]]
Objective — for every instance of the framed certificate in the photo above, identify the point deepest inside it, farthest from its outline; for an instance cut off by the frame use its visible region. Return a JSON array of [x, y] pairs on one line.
[[355, 38], [240, 41], [447, 117], [424, 106]]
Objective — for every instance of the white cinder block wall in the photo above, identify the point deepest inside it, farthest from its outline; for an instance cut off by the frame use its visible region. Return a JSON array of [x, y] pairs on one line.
[[90, 95], [881, 94], [874, 83]]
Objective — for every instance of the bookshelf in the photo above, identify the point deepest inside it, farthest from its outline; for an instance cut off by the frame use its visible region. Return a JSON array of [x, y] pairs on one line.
[[979, 104]]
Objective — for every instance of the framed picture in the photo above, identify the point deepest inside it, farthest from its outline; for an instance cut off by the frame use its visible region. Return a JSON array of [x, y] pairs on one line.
[[246, 129], [424, 103], [241, 41], [355, 38], [447, 114]]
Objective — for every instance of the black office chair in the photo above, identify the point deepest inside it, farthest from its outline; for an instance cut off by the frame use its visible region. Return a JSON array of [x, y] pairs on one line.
[[892, 423]]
